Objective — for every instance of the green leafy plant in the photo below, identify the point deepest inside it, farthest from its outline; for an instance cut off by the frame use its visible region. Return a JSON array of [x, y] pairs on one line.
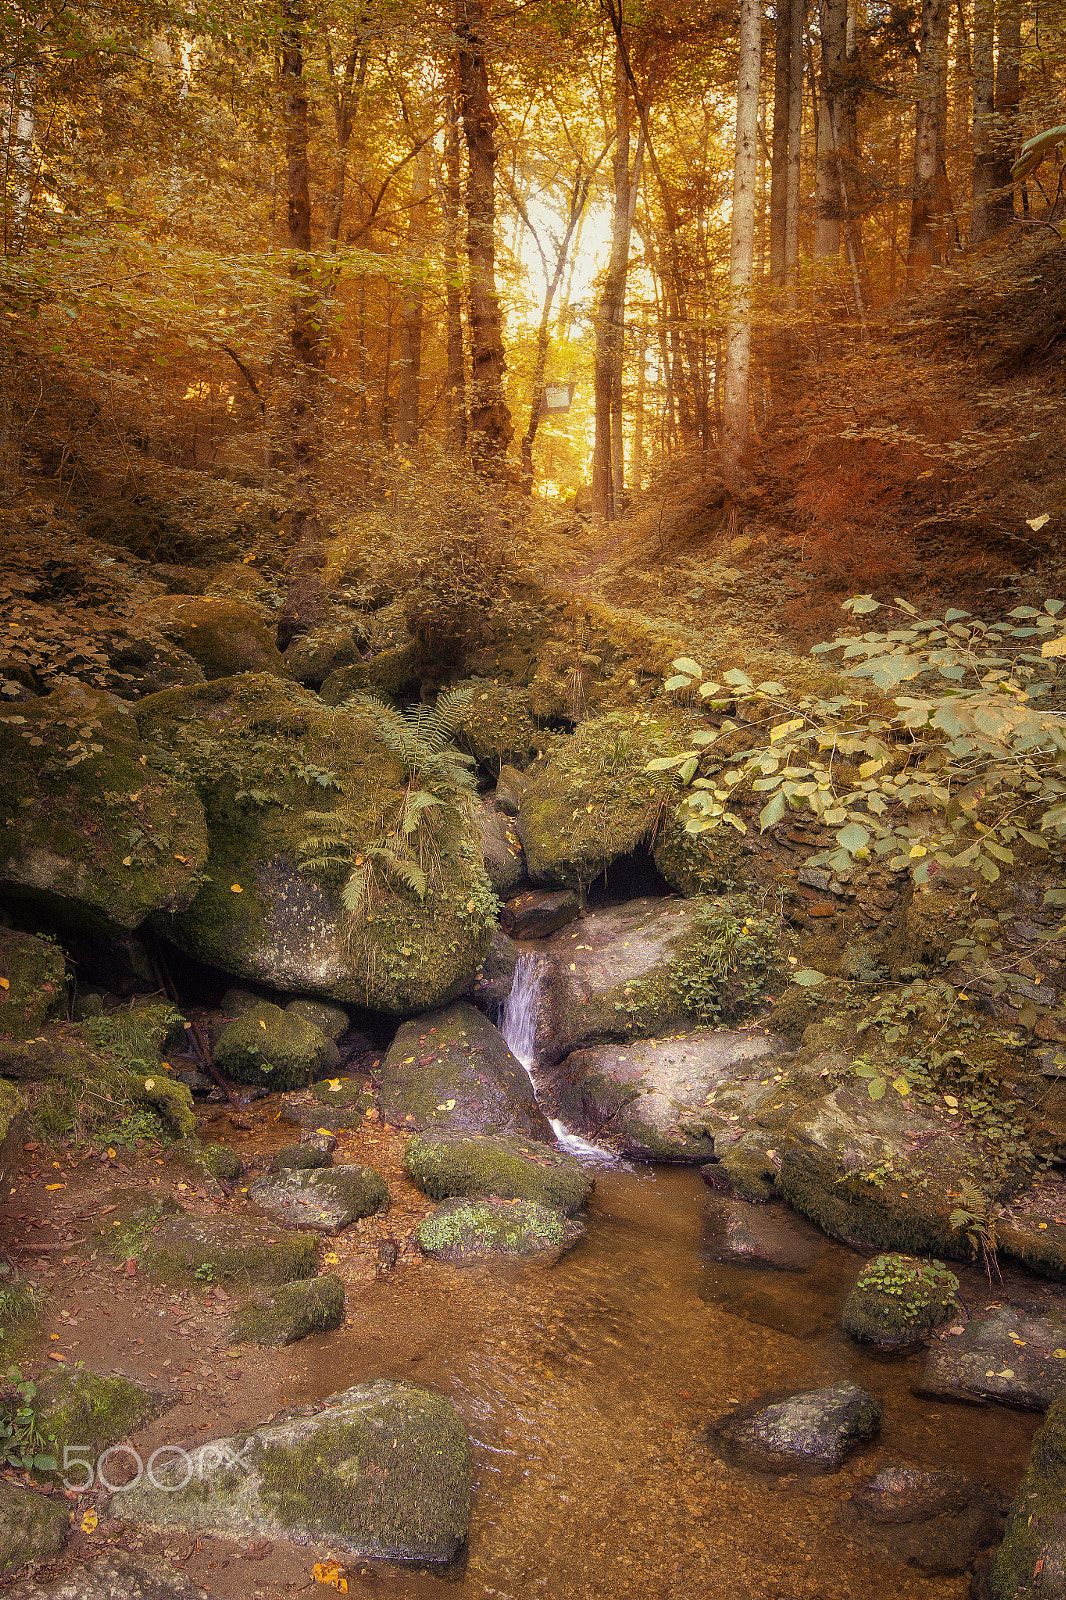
[[975, 1215], [22, 1445], [913, 1284]]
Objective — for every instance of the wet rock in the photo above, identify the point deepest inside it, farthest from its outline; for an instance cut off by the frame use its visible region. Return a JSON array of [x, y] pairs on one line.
[[273, 1048], [311, 1116], [801, 1313], [495, 976], [501, 848], [330, 1020], [91, 1409], [510, 1169], [511, 785], [306, 1156], [1013, 1355], [451, 1071], [939, 1521], [1031, 1562], [36, 990], [813, 1431], [32, 1526], [463, 1230], [231, 1247], [539, 912], [381, 1472], [896, 1301], [114, 1577], [673, 1099], [290, 1312], [325, 1200], [770, 1236], [340, 1094]]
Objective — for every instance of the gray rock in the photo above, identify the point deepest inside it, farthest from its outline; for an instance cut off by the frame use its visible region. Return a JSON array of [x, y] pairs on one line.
[[670, 1099], [307, 1156], [93, 1410], [451, 1072], [464, 1230], [537, 913], [1015, 1356], [495, 976], [815, 1430], [32, 1526], [328, 1019], [510, 787], [939, 1521], [324, 1201], [501, 848], [769, 1236], [114, 1577], [310, 1116], [381, 1472], [896, 1301], [291, 1312], [319, 1139]]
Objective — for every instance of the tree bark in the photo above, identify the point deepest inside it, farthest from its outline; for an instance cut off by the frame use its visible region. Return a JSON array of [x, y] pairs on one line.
[[450, 203], [984, 109], [779, 167], [797, 23], [925, 244], [833, 25], [735, 414], [410, 375], [490, 420], [1005, 127], [25, 89]]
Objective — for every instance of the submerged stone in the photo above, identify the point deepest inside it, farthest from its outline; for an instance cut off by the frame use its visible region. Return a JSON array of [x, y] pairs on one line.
[[326, 1200], [939, 1521], [116, 1576], [1014, 1355], [815, 1430], [291, 1312], [770, 1236], [382, 1471], [898, 1300], [465, 1230], [510, 1169]]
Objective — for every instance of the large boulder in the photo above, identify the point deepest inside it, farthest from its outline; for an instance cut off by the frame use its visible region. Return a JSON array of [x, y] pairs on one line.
[[93, 834], [510, 1169], [322, 1199], [813, 1431], [32, 1526], [311, 657], [275, 1048], [223, 636], [290, 1312], [896, 1301], [116, 1576], [35, 983], [223, 1248], [1031, 1562], [664, 1099], [501, 848], [465, 1230], [1015, 1355], [495, 723], [382, 1472], [452, 1072], [319, 820]]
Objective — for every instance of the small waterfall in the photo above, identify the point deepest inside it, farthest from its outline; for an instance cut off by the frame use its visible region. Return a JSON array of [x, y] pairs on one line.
[[518, 1025]]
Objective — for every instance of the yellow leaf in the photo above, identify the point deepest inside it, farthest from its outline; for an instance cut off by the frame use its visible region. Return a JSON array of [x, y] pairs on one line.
[[182, 859], [1054, 647], [333, 1084], [868, 768], [329, 1573], [1059, 1354], [917, 850], [1036, 523], [55, 1185], [236, 888], [89, 1522], [5, 983], [784, 728], [331, 1258], [324, 1130]]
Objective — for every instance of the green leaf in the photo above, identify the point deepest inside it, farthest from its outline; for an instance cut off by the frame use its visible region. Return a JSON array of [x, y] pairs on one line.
[[665, 763], [737, 679], [876, 1088], [853, 838], [772, 812], [808, 978], [861, 605], [1055, 897], [901, 1086], [686, 664], [955, 616], [679, 681], [689, 769]]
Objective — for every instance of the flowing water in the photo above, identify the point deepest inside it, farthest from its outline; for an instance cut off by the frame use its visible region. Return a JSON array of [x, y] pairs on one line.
[[587, 1389]]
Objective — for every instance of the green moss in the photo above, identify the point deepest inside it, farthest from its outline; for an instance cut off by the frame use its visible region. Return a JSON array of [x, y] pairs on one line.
[[496, 725], [272, 1047], [700, 863], [84, 1408], [217, 1160], [35, 970], [461, 1229], [32, 1526], [224, 637], [299, 1157], [293, 1311], [512, 1169], [896, 1300], [1036, 1537], [231, 1248], [20, 1313], [341, 1093], [330, 1020]]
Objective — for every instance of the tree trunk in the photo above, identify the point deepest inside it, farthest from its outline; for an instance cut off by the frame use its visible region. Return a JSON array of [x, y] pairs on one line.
[[833, 30], [411, 313], [984, 109], [578, 197], [490, 420], [1005, 128], [798, 19], [924, 245], [779, 167], [450, 202], [22, 158], [738, 332], [639, 401]]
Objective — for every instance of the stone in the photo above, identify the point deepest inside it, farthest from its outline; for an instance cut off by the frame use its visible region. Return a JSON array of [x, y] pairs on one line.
[[495, 976], [271, 1047], [218, 1160], [501, 849], [36, 989], [306, 1156], [290, 1312], [32, 1526], [311, 657], [1030, 1226], [94, 1410], [117, 1576], [319, 1139], [1030, 1564], [325, 1201], [464, 1230], [329, 1019], [223, 637], [511, 785], [311, 1116], [939, 1521], [768, 1236], [1013, 1355], [664, 1099], [381, 1471], [896, 1301], [539, 912], [508, 1168], [494, 722], [813, 1431], [221, 1248], [451, 1071]]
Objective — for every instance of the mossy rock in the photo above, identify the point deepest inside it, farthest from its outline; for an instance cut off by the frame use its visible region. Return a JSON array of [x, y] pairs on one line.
[[36, 989], [342, 1094], [1035, 1541], [101, 840], [898, 1300], [592, 800], [510, 1169], [20, 1312], [32, 1526], [278, 770], [310, 1115], [382, 1471], [84, 1408], [326, 1200], [300, 1158], [224, 637], [271, 1047], [393, 672], [312, 657], [311, 1305], [465, 1230], [217, 1160], [221, 1249], [330, 1020], [698, 863], [13, 1122], [495, 724]]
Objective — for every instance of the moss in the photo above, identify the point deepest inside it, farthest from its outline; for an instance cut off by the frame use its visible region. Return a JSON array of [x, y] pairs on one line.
[[450, 1071], [84, 1408], [217, 1160], [132, 1038], [341, 1093], [36, 990], [699, 863], [496, 725], [32, 1526], [266, 1045], [20, 1314], [512, 1169], [330, 1020], [327, 1199], [750, 1174], [235, 1248], [172, 1102], [299, 1157], [461, 1229], [1036, 1526], [12, 1129], [224, 637], [896, 1300], [314, 1305]]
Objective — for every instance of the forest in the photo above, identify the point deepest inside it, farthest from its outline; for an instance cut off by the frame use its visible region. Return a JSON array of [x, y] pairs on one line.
[[533, 799]]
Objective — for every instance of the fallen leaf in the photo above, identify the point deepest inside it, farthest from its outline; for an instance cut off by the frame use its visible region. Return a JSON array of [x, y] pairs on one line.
[[5, 983], [329, 1573], [235, 888], [89, 1522], [55, 1185], [1036, 523]]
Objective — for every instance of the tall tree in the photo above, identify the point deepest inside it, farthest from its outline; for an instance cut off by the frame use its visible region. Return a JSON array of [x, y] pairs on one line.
[[1008, 95], [984, 108], [490, 420], [832, 35], [735, 412], [797, 24], [925, 242], [410, 374], [450, 203], [779, 149]]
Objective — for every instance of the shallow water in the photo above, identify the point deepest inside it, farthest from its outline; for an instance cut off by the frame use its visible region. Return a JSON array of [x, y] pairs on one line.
[[587, 1388]]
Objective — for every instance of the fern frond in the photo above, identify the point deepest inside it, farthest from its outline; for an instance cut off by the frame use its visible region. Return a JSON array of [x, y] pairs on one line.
[[408, 872]]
